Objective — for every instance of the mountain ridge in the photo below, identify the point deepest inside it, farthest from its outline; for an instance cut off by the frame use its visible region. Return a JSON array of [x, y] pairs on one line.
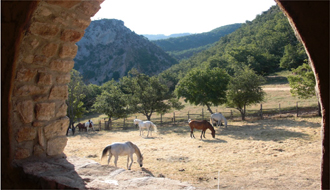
[[109, 50]]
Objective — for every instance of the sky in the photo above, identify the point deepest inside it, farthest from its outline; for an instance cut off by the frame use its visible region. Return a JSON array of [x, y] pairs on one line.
[[180, 16]]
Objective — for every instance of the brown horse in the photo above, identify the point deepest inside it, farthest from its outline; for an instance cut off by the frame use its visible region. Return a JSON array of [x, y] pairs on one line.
[[81, 127], [200, 125]]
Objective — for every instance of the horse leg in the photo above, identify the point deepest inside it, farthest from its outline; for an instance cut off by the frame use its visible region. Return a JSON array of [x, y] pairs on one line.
[[116, 159], [110, 155], [148, 133], [130, 165], [202, 134]]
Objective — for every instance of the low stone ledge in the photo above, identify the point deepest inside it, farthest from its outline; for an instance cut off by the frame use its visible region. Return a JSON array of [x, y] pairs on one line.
[[82, 173]]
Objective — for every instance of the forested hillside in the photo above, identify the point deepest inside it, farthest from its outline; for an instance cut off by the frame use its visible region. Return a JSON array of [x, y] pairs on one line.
[[267, 44], [184, 47], [162, 36]]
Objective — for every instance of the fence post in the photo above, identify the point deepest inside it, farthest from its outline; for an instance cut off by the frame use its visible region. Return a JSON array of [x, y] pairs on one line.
[[124, 122], [261, 116], [161, 118], [231, 115], [173, 117], [279, 109], [99, 125], [297, 108], [202, 113]]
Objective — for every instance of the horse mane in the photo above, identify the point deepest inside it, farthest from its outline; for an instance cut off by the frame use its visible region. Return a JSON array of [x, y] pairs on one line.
[[137, 150]]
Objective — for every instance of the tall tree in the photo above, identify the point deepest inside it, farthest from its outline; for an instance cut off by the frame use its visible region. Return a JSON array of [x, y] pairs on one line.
[[204, 87], [147, 94], [303, 83], [76, 88], [244, 89], [112, 102]]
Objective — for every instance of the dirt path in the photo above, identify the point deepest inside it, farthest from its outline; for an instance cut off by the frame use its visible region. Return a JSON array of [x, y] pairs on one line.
[[265, 154], [277, 89]]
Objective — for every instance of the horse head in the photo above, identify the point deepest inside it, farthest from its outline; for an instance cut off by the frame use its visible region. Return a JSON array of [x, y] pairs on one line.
[[140, 161]]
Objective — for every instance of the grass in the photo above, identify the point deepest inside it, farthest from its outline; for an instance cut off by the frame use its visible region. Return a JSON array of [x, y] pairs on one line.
[[247, 154]]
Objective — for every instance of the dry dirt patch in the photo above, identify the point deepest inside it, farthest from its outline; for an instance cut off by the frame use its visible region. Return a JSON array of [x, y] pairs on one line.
[[271, 154]]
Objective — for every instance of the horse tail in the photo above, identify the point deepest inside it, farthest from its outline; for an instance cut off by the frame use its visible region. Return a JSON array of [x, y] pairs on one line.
[[155, 127], [105, 150]]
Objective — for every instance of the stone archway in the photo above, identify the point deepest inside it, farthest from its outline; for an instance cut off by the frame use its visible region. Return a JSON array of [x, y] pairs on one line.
[[38, 47]]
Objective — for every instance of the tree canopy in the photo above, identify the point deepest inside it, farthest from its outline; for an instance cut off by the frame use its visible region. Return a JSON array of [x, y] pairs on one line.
[[244, 89], [204, 87]]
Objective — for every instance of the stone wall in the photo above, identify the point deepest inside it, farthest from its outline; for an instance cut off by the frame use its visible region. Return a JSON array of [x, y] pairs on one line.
[[45, 58]]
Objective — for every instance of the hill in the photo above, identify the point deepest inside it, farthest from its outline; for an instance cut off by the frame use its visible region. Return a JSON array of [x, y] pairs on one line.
[[162, 36], [267, 44], [109, 50], [185, 46]]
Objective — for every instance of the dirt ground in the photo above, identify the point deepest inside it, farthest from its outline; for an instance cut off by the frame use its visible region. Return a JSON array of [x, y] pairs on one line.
[[282, 153]]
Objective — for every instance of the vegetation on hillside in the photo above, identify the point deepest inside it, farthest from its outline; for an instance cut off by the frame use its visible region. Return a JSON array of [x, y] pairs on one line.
[[185, 46], [264, 43]]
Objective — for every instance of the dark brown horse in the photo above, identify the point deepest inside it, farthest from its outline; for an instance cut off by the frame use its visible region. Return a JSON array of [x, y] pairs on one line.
[[200, 125], [81, 127]]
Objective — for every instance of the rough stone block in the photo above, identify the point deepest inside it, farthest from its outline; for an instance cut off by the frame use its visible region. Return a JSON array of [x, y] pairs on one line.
[[62, 110], [71, 35], [30, 90], [25, 110], [62, 65], [25, 75], [50, 49], [89, 8], [64, 3], [45, 79], [82, 23], [45, 111], [38, 150], [57, 128], [63, 79], [22, 153], [26, 133], [59, 93], [40, 60], [41, 138], [68, 50], [44, 29], [56, 145]]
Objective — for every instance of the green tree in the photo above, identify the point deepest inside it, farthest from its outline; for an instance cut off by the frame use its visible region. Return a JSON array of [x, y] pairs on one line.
[[148, 95], [91, 92], [303, 83], [244, 89], [204, 87], [293, 57], [112, 102], [76, 88]]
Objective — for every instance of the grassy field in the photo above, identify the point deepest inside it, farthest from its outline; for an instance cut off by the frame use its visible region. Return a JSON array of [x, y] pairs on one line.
[[273, 153], [262, 154]]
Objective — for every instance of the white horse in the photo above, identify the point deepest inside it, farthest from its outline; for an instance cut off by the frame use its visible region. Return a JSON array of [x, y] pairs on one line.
[[145, 125], [89, 124], [123, 149], [218, 118]]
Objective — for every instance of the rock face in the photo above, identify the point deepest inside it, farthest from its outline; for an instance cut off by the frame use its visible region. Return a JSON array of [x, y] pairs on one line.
[[109, 50], [81, 173]]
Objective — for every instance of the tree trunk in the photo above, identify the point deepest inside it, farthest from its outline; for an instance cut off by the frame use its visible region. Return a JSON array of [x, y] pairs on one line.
[[209, 108]]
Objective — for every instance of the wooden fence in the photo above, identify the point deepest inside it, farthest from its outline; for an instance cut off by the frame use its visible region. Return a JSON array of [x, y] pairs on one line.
[[179, 117]]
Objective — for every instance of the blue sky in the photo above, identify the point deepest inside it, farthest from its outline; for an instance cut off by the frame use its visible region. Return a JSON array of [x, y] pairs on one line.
[[180, 16]]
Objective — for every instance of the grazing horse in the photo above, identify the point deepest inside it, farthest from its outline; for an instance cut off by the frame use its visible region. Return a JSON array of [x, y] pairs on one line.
[[200, 125], [145, 125], [89, 124], [81, 127], [123, 149], [218, 117]]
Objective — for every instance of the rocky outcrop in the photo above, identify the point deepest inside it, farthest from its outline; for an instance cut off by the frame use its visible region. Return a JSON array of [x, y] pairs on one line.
[[81, 173], [109, 50]]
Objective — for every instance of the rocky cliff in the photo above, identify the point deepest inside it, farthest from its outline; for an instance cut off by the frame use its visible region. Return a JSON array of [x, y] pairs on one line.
[[109, 50]]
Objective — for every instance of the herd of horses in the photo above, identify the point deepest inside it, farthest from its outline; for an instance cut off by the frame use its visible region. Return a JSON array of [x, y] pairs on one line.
[[128, 148]]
